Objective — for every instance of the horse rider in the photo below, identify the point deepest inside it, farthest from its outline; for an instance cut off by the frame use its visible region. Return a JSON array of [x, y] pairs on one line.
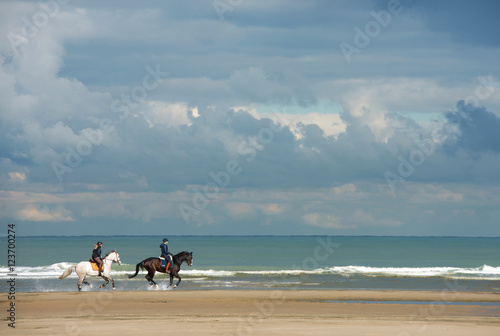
[[96, 255], [165, 254]]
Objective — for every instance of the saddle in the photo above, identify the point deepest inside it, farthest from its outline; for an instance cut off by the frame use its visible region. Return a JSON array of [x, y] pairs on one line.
[[94, 265], [165, 264]]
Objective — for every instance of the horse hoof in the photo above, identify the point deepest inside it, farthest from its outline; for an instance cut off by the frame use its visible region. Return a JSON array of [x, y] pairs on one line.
[[175, 286], [91, 286], [114, 288], [156, 286]]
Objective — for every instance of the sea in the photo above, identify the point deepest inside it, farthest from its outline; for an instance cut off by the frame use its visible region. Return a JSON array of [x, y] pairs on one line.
[[265, 262]]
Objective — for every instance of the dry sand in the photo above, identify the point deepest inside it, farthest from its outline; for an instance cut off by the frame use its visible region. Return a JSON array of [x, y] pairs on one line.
[[235, 312]]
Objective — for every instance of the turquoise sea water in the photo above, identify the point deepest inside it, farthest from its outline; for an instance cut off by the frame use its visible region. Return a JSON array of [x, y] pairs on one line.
[[270, 262]]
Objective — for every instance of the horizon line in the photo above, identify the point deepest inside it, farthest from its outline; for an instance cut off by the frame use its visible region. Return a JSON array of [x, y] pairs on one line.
[[255, 235]]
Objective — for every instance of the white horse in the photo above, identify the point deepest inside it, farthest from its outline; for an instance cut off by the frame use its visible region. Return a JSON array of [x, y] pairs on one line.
[[84, 268]]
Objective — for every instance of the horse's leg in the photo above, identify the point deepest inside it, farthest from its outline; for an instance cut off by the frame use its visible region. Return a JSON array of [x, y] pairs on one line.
[[81, 278], [104, 284], [149, 277], [112, 283], [172, 275], [85, 282], [151, 274], [108, 278], [178, 282]]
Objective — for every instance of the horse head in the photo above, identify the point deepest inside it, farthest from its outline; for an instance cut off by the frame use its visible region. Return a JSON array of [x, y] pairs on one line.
[[187, 256], [114, 256]]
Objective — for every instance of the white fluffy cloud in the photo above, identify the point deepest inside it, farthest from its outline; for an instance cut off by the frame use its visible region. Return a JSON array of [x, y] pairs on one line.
[[44, 214]]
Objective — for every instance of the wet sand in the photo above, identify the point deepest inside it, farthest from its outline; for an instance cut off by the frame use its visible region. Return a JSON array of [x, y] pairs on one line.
[[268, 312]]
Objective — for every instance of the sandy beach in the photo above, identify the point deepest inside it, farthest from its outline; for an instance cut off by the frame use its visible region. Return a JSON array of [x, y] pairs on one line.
[[268, 312]]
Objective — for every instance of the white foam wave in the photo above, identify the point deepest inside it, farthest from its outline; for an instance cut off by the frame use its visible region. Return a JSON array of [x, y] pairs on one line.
[[208, 273], [38, 271], [483, 272], [48, 271]]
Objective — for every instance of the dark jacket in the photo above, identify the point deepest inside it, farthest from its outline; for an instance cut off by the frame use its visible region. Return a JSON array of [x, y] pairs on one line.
[[96, 253], [164, 250]]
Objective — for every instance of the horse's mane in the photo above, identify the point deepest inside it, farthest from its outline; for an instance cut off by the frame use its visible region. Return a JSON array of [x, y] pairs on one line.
[[107, 254], [181, 253]]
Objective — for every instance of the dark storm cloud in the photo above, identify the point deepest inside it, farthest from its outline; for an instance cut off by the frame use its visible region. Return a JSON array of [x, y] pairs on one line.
[[478, 129], [469, 22]]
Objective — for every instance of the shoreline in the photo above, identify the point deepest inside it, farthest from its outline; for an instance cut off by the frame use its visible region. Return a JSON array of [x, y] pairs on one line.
[[259, 312]]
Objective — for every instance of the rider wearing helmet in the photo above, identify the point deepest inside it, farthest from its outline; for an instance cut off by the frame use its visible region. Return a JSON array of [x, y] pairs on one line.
[[165, 254], [96, 255]]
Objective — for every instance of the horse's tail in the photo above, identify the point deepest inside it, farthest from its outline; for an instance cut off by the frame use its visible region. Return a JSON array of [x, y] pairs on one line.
[[141, 265], [67, 272]]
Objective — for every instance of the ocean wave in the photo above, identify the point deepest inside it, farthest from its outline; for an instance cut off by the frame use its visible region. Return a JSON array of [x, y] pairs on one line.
[[484, 272], [47, 271]]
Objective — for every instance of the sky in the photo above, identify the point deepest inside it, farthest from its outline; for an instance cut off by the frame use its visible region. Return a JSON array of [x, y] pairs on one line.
[[239, 117]]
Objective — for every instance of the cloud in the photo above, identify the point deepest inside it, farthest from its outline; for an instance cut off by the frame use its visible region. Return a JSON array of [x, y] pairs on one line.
[[17, 176], [481, 16], [478, 129], [240, 210], [358, 218], [428, 193], [44, 214], [266, 88], [363, 218], [322, 220], [170, 115], [272, 209], [325, 114], [248, 211]]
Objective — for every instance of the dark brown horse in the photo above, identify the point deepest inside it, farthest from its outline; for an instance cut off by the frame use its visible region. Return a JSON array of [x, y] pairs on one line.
[[153, 265]]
